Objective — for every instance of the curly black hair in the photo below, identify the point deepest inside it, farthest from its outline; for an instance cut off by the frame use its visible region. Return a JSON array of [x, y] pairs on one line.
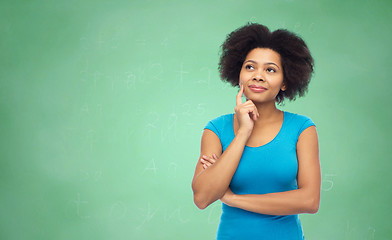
[[296, 59]]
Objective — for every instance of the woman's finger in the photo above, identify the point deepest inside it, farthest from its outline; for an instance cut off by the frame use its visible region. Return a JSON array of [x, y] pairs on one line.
[[208, 159], [255, 114], [239, 95], [206, 164], [252, 110]]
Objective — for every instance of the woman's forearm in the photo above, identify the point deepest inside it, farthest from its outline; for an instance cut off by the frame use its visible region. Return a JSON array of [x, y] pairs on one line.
[[212, 183], [281, 203]]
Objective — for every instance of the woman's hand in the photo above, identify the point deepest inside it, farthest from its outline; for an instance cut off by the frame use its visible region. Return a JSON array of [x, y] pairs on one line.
[[208, 161], [246, 112]]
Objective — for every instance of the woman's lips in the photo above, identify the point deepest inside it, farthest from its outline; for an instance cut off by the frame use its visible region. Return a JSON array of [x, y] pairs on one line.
[[257, 89]]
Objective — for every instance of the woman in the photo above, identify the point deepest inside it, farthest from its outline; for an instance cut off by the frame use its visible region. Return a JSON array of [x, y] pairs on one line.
[[261, 162]]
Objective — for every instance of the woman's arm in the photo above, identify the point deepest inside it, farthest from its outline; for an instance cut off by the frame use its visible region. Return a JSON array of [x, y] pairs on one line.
[[221, 172], [305, 199]]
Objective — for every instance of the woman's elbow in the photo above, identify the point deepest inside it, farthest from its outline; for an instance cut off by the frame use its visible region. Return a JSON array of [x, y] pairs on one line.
[[313, 206], [316, 207], [200, 203], [201, 197]]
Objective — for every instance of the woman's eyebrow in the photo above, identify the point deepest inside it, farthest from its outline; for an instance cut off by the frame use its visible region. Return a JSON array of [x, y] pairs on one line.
[[251, 61], [272, 64], [268, 63]]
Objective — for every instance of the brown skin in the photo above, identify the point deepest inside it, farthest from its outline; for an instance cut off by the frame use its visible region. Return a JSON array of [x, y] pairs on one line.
[[257, 122]]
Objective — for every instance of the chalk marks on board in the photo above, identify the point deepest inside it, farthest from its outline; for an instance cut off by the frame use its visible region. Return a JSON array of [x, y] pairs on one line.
[[91, 175], [206, 80], [87, 109], [84, 43], [188, 110], [102, 42], [171, 128], [297, 27], [153, 126], [149, 213], [354, 232], [144, 42], [172, 170], [130, 80], [149, 73], [151, 167], [152, 119], [253, 19], [166, 126], [327, 182], [165, 42], [118, 210], [79, 203], [90, 139], [125, 80], [156, 70], [370, 233], [181, 73], [175, 215], [141, 42]]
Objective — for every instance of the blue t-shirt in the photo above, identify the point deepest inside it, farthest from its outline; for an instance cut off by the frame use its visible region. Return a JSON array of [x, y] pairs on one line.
[[265, 169]]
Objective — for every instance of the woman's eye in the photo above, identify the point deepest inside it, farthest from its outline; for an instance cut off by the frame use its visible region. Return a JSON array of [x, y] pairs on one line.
[[271, 70], [249, 67]]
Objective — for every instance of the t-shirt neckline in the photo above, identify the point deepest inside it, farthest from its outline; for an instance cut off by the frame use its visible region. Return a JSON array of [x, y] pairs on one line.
[[270, 142]]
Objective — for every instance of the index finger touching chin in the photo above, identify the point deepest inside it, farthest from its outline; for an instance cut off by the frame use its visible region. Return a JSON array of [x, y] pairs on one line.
[[239, 95]]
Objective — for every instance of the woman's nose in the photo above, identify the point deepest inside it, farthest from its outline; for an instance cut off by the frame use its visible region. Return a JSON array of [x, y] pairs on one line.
[[258, 76]]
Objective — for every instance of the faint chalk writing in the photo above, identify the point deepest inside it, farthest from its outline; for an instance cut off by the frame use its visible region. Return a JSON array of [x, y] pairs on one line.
[[172, 169], [182, 72], [176, 214], [151, 167], [94, 175], [147, 215], [78, 202], [327, 183], [118, 210]]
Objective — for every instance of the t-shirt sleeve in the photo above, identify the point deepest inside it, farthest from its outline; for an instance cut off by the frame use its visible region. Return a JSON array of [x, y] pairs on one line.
[[307, 123], [211, 126]]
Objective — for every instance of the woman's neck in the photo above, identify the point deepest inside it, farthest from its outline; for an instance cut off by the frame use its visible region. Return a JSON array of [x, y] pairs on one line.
[[268, 113]]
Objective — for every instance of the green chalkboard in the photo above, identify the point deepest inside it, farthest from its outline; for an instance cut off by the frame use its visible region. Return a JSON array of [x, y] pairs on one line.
[[103, 103]]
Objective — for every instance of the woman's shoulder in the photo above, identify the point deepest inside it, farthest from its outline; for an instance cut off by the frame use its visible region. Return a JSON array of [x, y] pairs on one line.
[[221, 124], [298, 122], [223, 118], [297, 117]]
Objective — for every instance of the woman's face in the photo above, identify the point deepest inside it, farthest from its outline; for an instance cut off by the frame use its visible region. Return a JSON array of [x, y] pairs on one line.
[[262, 75]]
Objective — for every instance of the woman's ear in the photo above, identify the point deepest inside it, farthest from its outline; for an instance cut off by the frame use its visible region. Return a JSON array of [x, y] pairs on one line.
[[283, 88]]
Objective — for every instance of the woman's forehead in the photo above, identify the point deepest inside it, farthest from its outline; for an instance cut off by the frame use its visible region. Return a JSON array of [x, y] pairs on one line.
[[262, 55]]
